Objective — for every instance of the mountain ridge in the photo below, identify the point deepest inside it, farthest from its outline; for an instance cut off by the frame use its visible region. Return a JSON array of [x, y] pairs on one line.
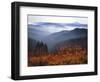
[[52, 39]]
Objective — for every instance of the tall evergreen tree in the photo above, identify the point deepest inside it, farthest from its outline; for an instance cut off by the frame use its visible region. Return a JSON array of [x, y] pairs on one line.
[[41, 48]]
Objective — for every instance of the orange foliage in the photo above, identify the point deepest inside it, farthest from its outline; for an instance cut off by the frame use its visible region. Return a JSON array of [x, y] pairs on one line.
[[64, 56]]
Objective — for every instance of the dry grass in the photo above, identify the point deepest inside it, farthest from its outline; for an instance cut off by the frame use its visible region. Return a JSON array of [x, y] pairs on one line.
[[65, 56]]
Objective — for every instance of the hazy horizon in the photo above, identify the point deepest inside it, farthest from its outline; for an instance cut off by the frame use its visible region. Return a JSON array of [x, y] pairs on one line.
[[54, 24]]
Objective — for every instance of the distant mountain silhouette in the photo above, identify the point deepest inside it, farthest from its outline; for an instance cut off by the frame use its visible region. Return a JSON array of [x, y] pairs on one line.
[[76, 24], [46, 24], [53, 39], [73, 43], [63, 35], [36, 34]]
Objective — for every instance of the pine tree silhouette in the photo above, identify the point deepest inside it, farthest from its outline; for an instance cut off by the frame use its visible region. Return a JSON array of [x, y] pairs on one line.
[[41, 48]]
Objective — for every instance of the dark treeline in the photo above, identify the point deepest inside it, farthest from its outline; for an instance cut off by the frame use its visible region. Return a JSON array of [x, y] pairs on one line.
[[37, 47]]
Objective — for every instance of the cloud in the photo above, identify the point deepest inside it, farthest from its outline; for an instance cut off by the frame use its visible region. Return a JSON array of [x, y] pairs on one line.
[[43, 24]]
